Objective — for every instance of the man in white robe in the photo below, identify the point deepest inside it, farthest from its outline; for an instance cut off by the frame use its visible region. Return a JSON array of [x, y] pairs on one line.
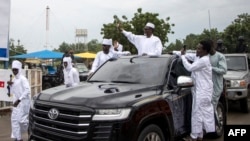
[[71, 74], [20, 89], [147, 44], [105, 54], [117, 46], [202, 108]]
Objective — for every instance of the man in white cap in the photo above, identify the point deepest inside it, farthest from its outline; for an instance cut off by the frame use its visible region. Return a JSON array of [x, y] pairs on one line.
[[105, 54], [20, 89], [71, 75], [146, 44], [117, 46]]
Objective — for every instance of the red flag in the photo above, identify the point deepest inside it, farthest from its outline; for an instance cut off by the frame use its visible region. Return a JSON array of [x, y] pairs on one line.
[[1, 84]]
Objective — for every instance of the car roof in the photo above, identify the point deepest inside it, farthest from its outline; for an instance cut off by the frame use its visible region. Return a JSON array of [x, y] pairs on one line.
[[148, 56]]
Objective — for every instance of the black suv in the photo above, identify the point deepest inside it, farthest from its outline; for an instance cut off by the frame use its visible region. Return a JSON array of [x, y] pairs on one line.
[[127, 99]]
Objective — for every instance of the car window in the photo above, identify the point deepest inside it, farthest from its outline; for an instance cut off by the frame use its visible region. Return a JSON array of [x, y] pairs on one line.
[[136, 70], [233, 63]]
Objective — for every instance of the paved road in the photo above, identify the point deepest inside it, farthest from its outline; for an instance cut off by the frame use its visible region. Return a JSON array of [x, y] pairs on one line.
[[5, 129], [235, 116]]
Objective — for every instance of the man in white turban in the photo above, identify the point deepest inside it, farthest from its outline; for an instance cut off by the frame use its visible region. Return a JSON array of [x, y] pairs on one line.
[[71, 75], [146, 44], [106, 54], [20, 89]]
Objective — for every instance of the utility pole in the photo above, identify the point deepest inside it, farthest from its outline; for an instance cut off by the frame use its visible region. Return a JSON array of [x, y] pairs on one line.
[[47, 27], [209, 20]]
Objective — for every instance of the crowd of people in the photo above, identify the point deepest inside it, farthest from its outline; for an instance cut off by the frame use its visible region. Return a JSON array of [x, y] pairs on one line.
[[207, 69]]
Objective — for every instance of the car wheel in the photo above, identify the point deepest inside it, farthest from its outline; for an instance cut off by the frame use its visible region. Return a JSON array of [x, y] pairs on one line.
[[220, 122], [151, 133], [46, 86], [244, 105]]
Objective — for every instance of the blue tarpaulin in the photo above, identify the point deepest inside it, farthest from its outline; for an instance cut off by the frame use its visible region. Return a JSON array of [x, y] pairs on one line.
[[44, 54]]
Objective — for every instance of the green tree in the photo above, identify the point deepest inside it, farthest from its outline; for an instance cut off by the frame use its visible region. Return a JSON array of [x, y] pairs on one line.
[[94, 46], [174, 46], [239, 27], [16, 49], [192, 40], [212, 34], [136, 25], [63, 47]]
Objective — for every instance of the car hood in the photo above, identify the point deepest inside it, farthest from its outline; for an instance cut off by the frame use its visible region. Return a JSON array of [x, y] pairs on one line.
[[99, 94], [235, 75]]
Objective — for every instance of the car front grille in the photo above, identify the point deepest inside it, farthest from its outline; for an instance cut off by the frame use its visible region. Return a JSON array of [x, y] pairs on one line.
[[72, 122]]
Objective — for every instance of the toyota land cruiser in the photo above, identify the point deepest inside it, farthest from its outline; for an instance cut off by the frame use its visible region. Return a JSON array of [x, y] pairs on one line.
[[238, 79], [127, 99]]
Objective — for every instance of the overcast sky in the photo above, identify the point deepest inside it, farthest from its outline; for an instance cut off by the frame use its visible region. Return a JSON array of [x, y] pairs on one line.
[[28, 17]]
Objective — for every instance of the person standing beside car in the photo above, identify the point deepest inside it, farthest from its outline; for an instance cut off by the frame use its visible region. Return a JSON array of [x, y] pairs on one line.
[[71, 75], [219, 68], [202, 116], [20, 89], [117, 46], [146, 44], [105, 54]]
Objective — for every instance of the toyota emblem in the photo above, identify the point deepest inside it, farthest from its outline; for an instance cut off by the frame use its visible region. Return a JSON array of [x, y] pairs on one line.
[[53, 113]]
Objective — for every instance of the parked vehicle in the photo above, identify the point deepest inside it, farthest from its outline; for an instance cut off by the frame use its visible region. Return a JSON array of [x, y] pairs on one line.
[[127, 99], [238, 79], [51, 77], [83, 71]]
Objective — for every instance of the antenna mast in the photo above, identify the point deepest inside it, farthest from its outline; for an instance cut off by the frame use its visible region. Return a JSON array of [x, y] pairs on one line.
[[209, 20], [47, 27]]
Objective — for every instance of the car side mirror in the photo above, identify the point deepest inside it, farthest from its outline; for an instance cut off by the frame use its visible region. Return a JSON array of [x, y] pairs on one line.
[[184, 82]]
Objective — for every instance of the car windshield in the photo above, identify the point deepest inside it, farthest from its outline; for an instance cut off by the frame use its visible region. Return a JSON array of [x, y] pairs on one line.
[[81, 67], [236, 63], [142, 70]]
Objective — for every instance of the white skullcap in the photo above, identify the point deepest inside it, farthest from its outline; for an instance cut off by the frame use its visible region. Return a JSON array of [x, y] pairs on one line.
[[150, 25], [17, 65], [67, 59], [107, 42], [69, 62]]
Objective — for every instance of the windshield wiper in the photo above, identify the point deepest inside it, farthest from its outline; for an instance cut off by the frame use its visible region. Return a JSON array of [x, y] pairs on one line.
[[236, 69], [129, 82], [97, 81]]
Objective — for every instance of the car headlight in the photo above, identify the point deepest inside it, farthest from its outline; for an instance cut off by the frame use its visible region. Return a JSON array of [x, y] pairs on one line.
[[238, 83], [111, 114]]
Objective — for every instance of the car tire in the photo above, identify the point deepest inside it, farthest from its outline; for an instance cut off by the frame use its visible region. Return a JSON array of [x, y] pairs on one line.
[[244, 105], [151, 133], [219, 125]]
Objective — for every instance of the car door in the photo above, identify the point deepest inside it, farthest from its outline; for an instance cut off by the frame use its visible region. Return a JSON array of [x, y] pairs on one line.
[[179, 99]]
